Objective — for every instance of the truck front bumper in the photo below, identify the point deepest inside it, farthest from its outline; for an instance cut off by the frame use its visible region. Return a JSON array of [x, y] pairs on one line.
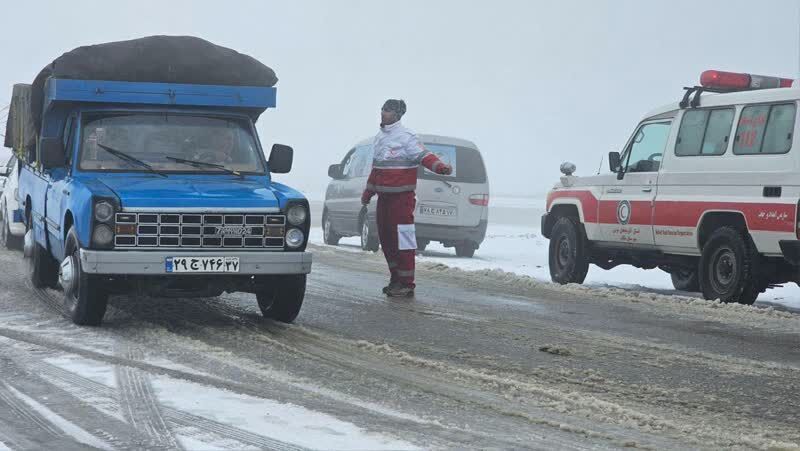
[[152, 263]]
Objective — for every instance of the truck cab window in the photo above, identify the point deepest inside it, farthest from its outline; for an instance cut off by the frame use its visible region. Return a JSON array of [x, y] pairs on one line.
[[645, 151]]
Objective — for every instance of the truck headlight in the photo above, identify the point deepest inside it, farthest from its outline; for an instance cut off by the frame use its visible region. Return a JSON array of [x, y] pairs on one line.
[[297, 215], [295, 238], [103, 211], [102, 235]]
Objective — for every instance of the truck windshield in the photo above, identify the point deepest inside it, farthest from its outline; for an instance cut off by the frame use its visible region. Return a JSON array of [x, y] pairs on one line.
[[166, 142]]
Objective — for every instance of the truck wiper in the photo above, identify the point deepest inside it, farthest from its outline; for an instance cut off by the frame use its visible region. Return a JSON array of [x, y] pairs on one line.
[[131, 159], [206, 165]]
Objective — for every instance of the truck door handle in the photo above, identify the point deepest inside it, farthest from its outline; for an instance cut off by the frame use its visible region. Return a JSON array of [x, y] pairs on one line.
[[63, 191], [647, 189]]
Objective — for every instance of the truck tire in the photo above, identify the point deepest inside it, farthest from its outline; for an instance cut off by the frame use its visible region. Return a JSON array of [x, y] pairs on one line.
[[729, 267], [568, 260], [465, 250], [369, 240], [42, 268], [84, 294], [329, 235], [282, 298], [684, 279]]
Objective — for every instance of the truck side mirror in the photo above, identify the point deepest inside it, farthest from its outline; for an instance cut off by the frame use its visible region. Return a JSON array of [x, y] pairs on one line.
[[51, 153], [280, 159], [335, 171], [614, 161]]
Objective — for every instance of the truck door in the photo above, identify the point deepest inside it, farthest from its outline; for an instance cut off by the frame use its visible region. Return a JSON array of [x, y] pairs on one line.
[[626, 204], [58, 193]]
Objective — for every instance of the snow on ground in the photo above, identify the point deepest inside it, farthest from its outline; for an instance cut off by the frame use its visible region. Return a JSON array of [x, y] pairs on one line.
[[522, 250]]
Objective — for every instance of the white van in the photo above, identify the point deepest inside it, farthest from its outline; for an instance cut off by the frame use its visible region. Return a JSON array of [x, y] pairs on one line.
[[11, 226], [451, 209]]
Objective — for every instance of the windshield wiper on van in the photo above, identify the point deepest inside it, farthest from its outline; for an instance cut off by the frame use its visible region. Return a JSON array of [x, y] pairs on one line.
[[206, 165], [131, 159]]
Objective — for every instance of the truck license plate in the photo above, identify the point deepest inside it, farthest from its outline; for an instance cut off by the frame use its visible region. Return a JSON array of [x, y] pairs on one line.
[[437, 211], [201, 264]]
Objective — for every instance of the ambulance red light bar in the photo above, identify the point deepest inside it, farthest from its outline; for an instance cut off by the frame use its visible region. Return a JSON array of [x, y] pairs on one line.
[[732, 81]]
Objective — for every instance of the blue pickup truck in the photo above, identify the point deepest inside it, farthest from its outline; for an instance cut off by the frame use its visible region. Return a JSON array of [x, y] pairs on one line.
[[161, 189]]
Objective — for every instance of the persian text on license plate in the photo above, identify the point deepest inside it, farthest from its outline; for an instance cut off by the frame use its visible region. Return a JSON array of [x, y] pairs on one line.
[[437, 211], [201, 264]]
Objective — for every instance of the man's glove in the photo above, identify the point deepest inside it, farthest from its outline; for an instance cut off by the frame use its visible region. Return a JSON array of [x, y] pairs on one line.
[[366, 197], [444, 169]]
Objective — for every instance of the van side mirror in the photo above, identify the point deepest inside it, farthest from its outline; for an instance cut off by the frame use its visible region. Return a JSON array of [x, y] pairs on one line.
[[335, 171], [5, 171], [280, 159], [51, 153], [614, 161]]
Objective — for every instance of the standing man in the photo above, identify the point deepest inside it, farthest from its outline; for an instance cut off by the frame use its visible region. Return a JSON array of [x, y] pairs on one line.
[[398, 154]]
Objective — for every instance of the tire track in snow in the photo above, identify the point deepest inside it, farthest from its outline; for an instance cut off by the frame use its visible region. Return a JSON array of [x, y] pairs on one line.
[[139, 403]]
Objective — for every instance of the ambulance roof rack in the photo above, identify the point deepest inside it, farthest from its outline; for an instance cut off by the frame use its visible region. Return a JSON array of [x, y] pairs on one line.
[[721, 82]]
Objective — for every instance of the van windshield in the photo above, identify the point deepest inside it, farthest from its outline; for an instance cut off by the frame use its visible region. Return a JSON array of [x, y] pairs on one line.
[[467, 164], [167, 141]]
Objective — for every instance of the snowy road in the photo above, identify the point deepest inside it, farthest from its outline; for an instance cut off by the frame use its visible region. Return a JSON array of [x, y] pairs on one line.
[[477, 360]]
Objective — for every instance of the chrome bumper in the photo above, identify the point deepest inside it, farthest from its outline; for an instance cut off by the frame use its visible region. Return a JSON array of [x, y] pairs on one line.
[[152, 263]]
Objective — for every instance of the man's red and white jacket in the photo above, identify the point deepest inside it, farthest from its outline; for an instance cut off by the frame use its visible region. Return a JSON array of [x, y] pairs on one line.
[[398, 153]]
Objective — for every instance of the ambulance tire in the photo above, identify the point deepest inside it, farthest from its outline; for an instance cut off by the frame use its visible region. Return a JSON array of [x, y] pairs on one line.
[[729, 267], [686, 280], [568, 257], [282, 298]]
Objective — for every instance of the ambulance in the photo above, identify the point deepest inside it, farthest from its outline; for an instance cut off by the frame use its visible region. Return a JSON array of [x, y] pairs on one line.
[[706, 189]]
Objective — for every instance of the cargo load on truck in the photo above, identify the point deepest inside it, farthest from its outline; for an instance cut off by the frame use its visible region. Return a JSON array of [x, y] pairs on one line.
[[157, 59]]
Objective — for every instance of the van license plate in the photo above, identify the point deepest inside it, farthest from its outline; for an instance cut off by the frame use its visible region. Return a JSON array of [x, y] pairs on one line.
[[437, 211], [201, 264]]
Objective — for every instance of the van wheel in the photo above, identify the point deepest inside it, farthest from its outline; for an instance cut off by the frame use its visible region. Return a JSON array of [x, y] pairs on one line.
[[684, 279], [84, 294], [282, 298], [465, 250], [729, 267], [568, 259], [7, 240], [369, 241], [329, 235], [422, 244]]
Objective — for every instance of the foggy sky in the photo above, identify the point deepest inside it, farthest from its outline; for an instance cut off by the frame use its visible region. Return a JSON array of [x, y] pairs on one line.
[[532, 83]]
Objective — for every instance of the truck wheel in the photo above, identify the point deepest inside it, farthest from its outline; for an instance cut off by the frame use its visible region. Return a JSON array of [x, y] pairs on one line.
[[329, 235], [369, 241], [84, 294], [282, 298], [729, 267], [568, 259], [42, 268], [684, 279], [465, 250], [7, 240]]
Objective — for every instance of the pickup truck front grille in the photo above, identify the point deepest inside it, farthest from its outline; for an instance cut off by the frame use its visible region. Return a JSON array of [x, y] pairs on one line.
[[207, 230]]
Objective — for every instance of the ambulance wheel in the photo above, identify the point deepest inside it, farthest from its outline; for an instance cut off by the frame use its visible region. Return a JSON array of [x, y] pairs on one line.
[[329, 235], [84, 294], [729, 267], [568, 259], [465, 250], [282, 297], [684, 279], [369, 240]]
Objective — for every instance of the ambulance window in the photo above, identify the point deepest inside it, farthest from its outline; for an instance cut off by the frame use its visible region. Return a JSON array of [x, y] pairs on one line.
[[765, 129], [704, 132], [647, 148]]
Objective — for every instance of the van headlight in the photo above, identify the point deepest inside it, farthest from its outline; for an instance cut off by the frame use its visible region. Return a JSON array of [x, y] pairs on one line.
[[297, 215], [295, 238], [103, 211]]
